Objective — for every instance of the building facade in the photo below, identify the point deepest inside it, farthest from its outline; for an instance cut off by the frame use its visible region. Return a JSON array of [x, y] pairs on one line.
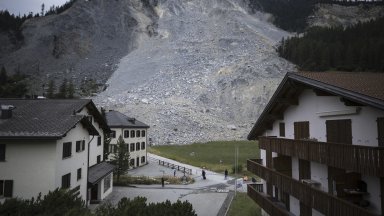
[[321, 138], [49, 144], [134, 134]]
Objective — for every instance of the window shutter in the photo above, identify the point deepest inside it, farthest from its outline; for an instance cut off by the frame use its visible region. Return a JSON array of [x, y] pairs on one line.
[[380, 130], [301, 130], [8, 189], [2, 152], [339, 131], [78, 146], [83, 145]]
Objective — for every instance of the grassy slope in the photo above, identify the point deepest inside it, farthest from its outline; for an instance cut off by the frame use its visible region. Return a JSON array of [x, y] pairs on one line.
[[209, 154], [243, 205]]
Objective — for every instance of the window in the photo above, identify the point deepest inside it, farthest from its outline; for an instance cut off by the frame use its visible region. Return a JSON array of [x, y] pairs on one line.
[[301, 130], [2, 152], [112, 148], [142, 145], [137, 133], [67, 149], [282, 129], [99, 141], [126, 134], [132, 147], [339, 131], [143, 133], [98, 158], [78, 174], [113, 134], [132, 133], [137, 146], [107, 183], [80, 145], [66, 181], [143, 159], [6, 188]]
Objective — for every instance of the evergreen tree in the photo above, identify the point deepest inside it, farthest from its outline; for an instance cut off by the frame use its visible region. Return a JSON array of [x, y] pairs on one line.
[[63, 90], [71, 90], [3, 76], [51, 89], [121, 158]]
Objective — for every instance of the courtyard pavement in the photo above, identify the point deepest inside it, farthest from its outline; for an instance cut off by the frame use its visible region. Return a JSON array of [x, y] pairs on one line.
[[208, 197]]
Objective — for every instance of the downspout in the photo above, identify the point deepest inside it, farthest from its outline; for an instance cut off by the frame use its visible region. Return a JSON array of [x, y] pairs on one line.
[[89, 143]]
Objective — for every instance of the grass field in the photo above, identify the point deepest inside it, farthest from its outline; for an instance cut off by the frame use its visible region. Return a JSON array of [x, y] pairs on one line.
[[244, 206], [216, 156]]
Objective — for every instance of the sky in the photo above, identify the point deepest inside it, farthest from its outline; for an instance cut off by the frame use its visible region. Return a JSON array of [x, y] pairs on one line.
[[25, 6]]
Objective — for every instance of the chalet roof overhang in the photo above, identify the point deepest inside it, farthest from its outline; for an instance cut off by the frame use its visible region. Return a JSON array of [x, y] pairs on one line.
[[125, 126], [99, 171], [287, 94]]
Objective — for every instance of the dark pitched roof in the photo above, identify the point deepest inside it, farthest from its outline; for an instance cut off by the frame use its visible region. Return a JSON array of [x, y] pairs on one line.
[[360, 88], [116, 119], [99, 171], [43, 119]]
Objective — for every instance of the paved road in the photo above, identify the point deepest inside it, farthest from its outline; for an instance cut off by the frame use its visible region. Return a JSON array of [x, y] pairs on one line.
[[209, 197]]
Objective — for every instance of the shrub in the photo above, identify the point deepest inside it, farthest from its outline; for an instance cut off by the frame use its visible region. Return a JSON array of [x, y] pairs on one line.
[[239, 168]]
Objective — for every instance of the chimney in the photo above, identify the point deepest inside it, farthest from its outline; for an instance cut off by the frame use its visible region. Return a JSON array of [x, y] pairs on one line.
[[6, 111], [132, 120]]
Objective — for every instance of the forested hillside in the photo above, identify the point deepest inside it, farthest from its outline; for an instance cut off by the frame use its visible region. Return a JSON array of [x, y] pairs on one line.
[[356, 48]]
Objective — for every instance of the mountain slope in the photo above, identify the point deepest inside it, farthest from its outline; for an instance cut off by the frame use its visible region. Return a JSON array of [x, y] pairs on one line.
[[84, 42], [206, 75]]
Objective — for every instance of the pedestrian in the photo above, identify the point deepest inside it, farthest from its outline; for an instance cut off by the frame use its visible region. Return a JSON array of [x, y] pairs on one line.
[[162, 181], [203, 174], [174, 173], [225, 174]]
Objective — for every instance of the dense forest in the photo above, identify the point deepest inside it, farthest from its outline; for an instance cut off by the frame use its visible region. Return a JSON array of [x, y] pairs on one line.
[[356, 48], [292, 15], [12, 23]]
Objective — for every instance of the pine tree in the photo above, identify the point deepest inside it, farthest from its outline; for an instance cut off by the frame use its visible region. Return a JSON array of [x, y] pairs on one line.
[[51, 89], [121, 158], [63, 90], [3, 76], [70, 90]]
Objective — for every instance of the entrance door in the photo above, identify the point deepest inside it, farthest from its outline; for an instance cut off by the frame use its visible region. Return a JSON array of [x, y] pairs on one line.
[[94, 192], [137, 161]]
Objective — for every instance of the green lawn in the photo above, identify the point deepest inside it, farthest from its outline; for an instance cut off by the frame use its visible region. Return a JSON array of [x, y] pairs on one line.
[[210, 154], [243, 205]]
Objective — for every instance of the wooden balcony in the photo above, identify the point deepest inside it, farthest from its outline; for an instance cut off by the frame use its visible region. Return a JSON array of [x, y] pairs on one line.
[[362, 159], [312, 197], [266, 202]]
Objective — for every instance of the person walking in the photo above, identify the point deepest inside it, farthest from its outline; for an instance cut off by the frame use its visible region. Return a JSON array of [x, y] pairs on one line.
[[162, 181], [174, 172], [225, 174], [203, 174]]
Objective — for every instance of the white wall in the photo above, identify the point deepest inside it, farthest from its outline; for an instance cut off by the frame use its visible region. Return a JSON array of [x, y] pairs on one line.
[[106, 193], [319, 173], [77, 160], [133, 154], [312, 108], [294, 205], [31, 166], [316, 213], [295, 168]]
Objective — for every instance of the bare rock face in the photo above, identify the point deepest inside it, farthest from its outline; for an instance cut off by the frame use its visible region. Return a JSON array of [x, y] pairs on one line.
[[84, 42], [206, 75]]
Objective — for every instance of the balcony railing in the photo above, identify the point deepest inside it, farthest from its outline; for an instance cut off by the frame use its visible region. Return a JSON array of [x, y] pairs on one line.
[[363, 159], [317, 199], [265, 202]]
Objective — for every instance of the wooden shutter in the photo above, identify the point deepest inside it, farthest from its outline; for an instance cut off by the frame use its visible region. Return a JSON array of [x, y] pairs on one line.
[[339, 131], [99, 140], [8, 188], [380, 131], [301, 130], [2, 152], [282, 129], [1, 187]]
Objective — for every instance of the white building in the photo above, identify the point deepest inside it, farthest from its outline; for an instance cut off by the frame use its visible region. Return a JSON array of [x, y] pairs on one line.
[[321, 141], [49, 144], [134, 133]]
